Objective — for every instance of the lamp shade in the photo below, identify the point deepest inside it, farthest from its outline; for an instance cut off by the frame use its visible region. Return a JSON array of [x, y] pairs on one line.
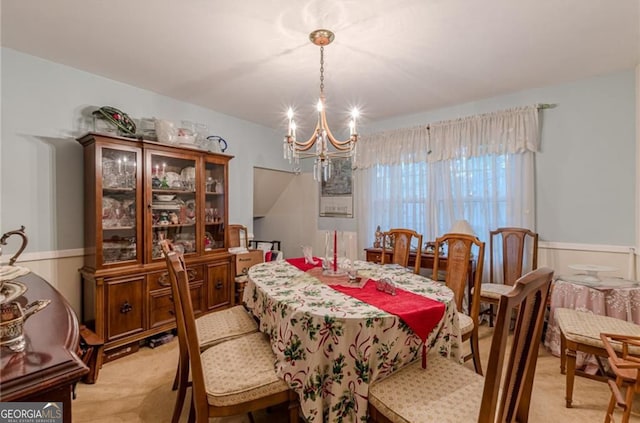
[[462, 227]]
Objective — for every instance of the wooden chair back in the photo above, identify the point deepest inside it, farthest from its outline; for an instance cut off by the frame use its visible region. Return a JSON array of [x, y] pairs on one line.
[[186, 326], [238, 236], [515, 241], [175, 262], [507, 395], [626, 368], [459, 251], [401, 241]]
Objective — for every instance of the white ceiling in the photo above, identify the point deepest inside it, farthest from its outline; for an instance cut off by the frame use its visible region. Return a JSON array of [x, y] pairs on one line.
[[252, 59]]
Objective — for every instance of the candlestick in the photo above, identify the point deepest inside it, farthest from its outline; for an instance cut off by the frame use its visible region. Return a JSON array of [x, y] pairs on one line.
[[157, 170], [164, 169], [335, 251], [119, 166]]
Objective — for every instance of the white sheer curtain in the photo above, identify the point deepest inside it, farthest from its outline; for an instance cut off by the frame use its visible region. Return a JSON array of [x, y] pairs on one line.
[[479, 168]]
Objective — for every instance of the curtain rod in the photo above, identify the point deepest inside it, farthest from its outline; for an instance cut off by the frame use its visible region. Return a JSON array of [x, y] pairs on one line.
[[542, 106]]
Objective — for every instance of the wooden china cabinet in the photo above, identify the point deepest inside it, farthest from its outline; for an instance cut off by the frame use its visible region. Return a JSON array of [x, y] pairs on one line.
[[138, 192]]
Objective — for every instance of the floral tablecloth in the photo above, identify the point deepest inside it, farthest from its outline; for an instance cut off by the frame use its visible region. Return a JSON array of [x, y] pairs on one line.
[[613, 298], [329, 346]]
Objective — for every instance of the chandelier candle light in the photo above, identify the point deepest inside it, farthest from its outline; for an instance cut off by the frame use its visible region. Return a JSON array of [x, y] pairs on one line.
[[322, 136]]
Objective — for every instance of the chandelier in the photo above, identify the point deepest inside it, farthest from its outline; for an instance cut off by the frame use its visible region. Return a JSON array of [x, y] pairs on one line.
[[322, 138]]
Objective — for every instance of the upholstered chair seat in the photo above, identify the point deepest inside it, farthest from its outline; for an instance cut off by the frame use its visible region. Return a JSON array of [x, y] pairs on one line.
[[466, 324], [223, 325], [585, 328], [240, 381], [450, 393]]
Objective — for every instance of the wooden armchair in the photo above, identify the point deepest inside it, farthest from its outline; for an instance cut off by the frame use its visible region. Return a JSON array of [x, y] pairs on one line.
[[401, 239], [515, 243], [448, 392], [232, 377], [459, 247], [626, 367]]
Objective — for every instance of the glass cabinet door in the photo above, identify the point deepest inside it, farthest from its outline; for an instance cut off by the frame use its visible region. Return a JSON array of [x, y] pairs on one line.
[[173, 203], [119, 219], [215, 205]]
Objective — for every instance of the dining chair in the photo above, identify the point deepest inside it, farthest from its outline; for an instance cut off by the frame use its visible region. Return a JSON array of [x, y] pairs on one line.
[[507, 267], [238, 236], [580, 333], [626, 368], [449, 392], [233, 377], [397, 243], [212, 329], [459, 252]]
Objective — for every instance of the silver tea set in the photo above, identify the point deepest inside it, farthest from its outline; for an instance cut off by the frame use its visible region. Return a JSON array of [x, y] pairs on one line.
[[12, 314]]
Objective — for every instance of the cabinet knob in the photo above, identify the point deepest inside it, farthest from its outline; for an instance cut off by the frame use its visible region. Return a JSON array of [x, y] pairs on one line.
[[171, 312], [164, 279], [191, 274], [126, 307], [219, 285]]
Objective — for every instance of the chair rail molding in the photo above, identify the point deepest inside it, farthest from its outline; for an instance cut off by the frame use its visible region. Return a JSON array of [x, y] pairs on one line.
[[46, 255]]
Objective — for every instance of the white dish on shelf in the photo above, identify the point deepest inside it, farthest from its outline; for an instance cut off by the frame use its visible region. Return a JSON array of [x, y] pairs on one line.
[[165, 197]]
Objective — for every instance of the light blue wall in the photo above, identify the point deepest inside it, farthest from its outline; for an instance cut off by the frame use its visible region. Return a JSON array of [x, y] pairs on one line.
[[41, 162], [585, 171]]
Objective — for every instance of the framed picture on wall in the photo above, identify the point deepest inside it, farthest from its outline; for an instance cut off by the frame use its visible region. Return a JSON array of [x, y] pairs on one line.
[[336, 194]]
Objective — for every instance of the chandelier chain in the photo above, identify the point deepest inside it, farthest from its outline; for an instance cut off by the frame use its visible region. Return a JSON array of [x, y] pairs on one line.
[[321, 69]]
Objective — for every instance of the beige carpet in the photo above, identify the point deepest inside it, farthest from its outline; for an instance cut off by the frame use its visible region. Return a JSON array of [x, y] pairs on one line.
[[137, 388]]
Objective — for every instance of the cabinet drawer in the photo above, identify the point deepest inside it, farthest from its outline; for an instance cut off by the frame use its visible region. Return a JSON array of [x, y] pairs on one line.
[[125, 307], [160, 280], [162, 309]]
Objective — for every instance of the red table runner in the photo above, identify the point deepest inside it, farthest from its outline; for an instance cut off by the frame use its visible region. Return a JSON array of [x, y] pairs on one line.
[[420, 313], [300, 263]]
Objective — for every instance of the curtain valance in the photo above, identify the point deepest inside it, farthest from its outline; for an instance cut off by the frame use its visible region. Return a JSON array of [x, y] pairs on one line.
[[508, 131]]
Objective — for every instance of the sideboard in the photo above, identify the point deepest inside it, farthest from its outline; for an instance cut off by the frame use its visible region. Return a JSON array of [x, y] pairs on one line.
[[48, 368]]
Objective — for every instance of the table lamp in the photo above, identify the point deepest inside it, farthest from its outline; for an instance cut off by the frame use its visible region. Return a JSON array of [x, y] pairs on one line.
[[462, 227]]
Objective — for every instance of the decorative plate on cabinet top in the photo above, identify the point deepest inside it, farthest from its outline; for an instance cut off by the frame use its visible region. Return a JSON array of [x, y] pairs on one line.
[[118, 118]]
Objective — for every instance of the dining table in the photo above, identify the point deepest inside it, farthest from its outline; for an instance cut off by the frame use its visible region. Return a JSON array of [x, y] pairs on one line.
[[331, 342], [604, 296]]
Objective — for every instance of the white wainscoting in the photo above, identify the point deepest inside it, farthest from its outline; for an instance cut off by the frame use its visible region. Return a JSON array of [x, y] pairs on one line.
[[59, 268], [559, 256]]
